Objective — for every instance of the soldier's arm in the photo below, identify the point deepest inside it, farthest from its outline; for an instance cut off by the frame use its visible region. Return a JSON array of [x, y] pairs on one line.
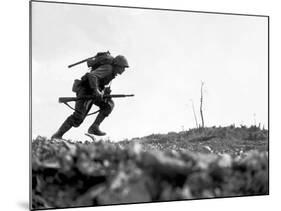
[[97, 75]]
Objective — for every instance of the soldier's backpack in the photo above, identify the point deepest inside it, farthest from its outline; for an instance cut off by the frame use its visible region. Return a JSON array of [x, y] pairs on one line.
[[99, 59]]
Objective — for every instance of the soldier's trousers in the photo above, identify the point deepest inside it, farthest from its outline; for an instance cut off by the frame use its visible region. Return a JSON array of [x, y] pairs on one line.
[[82, 108]]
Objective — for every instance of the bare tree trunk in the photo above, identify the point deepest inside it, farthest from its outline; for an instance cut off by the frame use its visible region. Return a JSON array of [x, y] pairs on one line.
[[194, 114], [201, 102]]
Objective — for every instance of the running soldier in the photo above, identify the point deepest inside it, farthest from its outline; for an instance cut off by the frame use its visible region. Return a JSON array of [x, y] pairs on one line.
[[94, 83]]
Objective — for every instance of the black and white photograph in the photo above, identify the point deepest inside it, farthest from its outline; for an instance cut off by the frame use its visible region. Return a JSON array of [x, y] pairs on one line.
[[137, 105]]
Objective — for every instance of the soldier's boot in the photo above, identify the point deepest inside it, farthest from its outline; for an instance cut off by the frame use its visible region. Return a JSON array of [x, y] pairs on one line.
[[62, 130], [95, 127]]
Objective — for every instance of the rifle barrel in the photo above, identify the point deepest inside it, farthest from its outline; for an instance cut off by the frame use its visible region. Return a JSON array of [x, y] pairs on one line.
[[118, 95]]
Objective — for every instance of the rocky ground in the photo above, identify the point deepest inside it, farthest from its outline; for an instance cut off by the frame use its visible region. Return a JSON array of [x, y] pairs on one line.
[[214, 162]]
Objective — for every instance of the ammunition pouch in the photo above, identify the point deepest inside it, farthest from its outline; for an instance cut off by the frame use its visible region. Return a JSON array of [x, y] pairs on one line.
[[76, 85]]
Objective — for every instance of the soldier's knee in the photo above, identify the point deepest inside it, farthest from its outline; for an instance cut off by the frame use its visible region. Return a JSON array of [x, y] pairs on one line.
[[105, 112], [108, 108]]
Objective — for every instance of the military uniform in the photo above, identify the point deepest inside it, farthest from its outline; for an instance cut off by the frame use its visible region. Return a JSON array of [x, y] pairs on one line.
[[93, 83], [98, 78]]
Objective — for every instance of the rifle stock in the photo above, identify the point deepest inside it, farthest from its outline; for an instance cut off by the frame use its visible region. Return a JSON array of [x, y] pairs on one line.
[[69, 99]]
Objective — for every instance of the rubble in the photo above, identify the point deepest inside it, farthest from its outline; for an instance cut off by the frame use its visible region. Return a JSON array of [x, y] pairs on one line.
[[71, 174]]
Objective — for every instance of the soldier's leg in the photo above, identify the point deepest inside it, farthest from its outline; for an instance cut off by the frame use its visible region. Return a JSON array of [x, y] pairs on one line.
[[66, 125], [81, 110], [105, 109]]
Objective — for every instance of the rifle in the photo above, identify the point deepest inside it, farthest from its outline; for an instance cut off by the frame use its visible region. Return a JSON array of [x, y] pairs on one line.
[[90, 97], [84, 60]]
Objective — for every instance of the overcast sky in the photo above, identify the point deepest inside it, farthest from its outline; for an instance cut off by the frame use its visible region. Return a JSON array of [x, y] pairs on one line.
[[169, 54]]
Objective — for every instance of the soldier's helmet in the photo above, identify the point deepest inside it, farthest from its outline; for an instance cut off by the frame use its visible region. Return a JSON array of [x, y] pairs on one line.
[[120, 61]]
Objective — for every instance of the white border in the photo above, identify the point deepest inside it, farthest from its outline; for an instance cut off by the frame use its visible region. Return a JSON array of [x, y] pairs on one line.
[[15, 105]]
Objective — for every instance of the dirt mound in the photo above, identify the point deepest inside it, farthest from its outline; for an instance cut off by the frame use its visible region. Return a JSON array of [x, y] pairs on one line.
[[231, 140], [67, 174]]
